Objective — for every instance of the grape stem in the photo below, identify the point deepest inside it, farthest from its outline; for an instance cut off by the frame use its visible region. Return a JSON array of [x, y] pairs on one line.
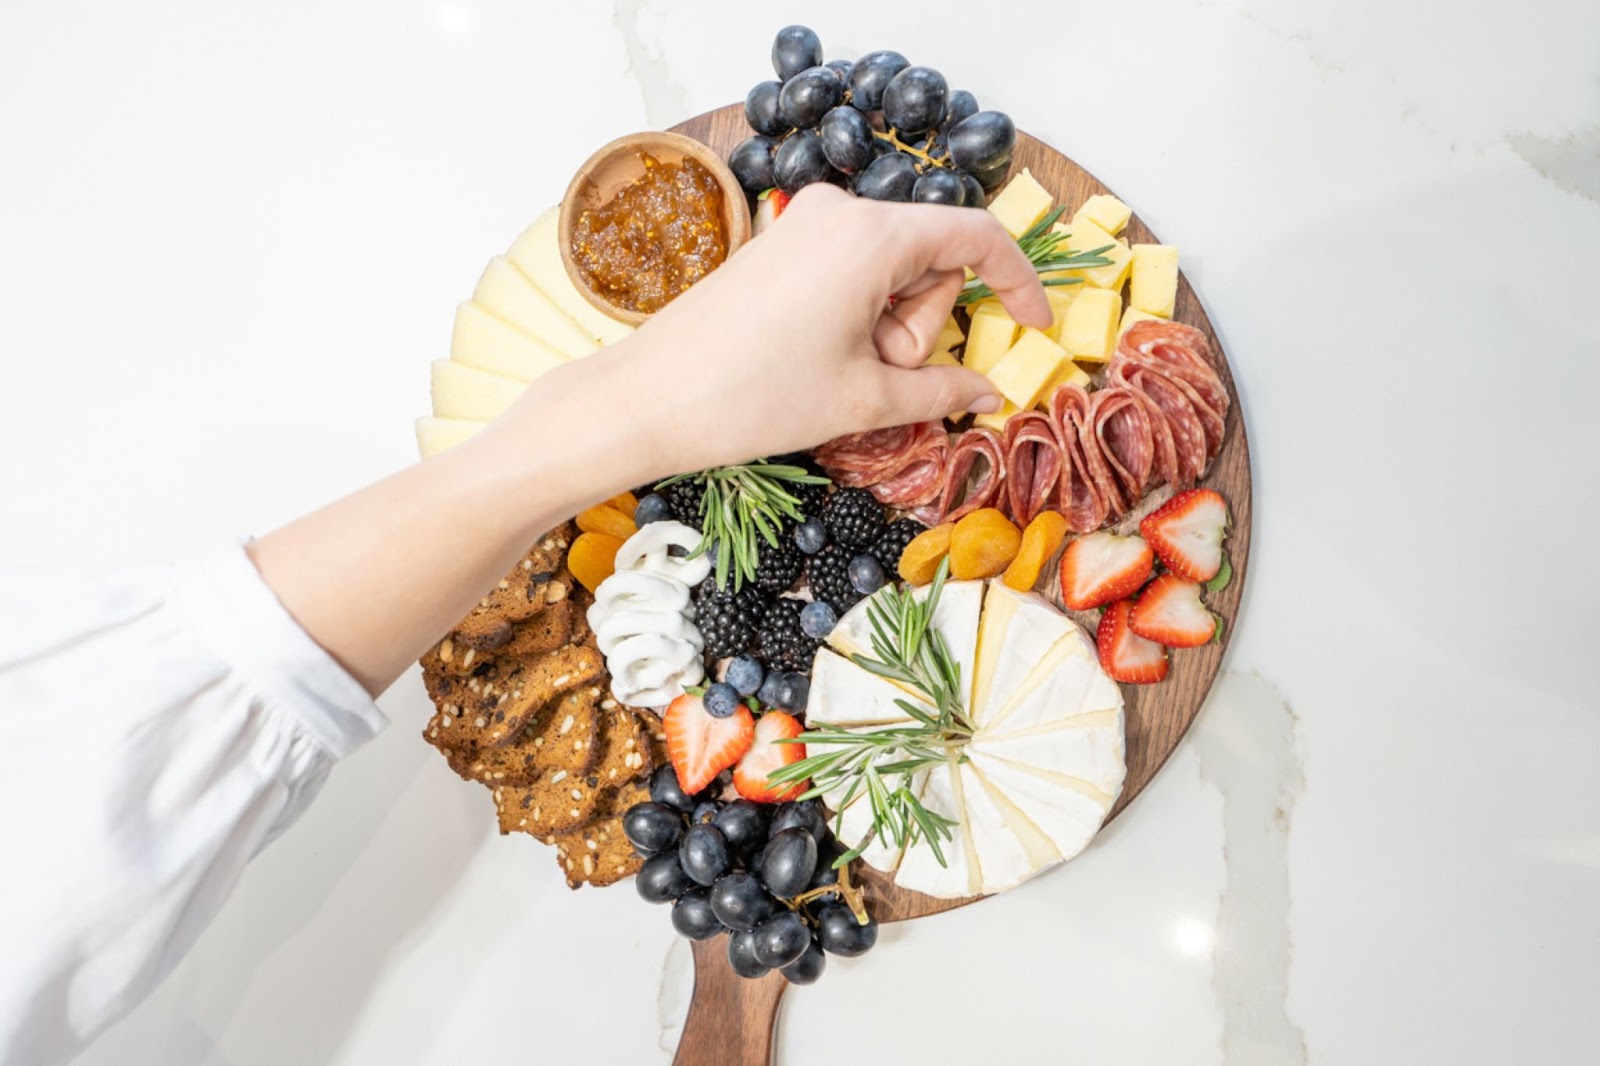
[[893, 137]]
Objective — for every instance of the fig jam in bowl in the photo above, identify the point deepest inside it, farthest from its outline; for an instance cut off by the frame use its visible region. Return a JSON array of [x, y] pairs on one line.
[[646, 217]]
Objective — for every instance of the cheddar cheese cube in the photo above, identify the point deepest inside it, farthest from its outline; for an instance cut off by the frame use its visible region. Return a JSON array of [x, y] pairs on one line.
[[1086, 236], [1060, 297], [1153, 284], [997, 420], [1105, 211], [1027, 368], [950, 337], [1069, 374], [944, 358], [1132, 315], [989, 337], [1090, 330], [1020, 204]]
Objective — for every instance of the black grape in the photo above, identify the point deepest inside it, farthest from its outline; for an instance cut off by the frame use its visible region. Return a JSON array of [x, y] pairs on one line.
[[795, 49], [889, 177], [799, 162], [840, 67], [975, 196], [992, 179], [914, 99], [982, 141], [751, 163], [807, 96], [847, 139], [939, 187], [962, 104], [761, 109], [870, 75]]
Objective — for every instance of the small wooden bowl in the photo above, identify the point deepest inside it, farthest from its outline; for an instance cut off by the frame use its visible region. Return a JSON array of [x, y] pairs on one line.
[[617, 165]]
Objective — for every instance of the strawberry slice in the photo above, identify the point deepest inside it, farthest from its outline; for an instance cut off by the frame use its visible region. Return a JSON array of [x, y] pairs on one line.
[[768, 207], [1187, 531], [766, 755], [1169, 612], [700, 746], [1124, 654], [1101, 567]]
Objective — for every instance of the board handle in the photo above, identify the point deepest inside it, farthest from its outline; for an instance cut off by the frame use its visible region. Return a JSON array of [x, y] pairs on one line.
[[731, 1018]]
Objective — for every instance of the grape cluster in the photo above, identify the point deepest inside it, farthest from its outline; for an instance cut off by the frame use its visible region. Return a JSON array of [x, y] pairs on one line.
[[763, 875], [879, 126]]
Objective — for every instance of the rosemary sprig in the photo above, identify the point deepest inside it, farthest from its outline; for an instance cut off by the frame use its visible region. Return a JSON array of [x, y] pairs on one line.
[[1044, 249], [883, 764], [742, 506]]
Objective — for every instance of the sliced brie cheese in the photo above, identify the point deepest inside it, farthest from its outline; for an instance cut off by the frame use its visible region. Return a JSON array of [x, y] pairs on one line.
[[1092, 753], [1019, 629], [537, 253], [435, 435], [1005, 857], [486, 342], [920, 870], [955, 617], [462, 391], [506, 292], [844, 694], [1068, 815], [855, 821], [1066, 681]]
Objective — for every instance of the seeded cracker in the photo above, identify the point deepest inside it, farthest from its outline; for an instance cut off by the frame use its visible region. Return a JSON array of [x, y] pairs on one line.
[[533, 584], [558, 802], [505, 713], [599, 854], [546, 631], [563, 735]]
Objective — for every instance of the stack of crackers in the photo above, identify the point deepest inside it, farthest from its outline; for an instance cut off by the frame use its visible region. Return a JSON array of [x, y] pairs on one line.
[[522, 707]]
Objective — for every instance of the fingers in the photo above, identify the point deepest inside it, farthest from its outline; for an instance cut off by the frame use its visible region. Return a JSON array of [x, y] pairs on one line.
[[931, 392], [929, 237], [905, 334]]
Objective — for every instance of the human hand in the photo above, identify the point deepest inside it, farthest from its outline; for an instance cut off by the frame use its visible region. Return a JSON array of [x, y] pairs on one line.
[[794, 340]]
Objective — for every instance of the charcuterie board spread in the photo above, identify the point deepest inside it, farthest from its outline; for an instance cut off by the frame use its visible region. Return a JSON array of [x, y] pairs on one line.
[[907, 669]]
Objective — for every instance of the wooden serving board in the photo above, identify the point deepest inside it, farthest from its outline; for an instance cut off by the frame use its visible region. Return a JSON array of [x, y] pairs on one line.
[[731, 1019]]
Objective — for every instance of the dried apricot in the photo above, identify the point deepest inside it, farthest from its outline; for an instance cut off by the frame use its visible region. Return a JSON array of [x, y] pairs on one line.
[[626, 502], [983, 544], [920, 561], [1039, 541], [592, 558], [604, 518]]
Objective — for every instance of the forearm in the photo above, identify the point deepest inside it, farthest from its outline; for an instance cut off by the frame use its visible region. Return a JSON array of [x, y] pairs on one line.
[[377, 576]]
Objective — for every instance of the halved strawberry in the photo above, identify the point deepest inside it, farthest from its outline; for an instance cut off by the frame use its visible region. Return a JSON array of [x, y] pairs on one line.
[[1187, 533], [1101, 567], [768, 207], [1124, 654], [700, 746], [1169, 612], [765, 756]]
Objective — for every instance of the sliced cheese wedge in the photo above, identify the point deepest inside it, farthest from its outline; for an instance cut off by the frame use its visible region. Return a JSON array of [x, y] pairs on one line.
[[505, 291], [435, 435], [919, 869], [1019, 629], [1061, 684], [462, 391], [853, 824], [848, 696], [537, 253], [1068, 815], [486, 342], [1006, 857], [955, 617], [1092, 754]]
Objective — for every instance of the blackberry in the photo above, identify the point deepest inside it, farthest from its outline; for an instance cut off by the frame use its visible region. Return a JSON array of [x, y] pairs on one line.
[[829, 575], [811, 497], [784, 645], [854, 517], [727, 620], [892, 545], [683, 498], [779, 566]]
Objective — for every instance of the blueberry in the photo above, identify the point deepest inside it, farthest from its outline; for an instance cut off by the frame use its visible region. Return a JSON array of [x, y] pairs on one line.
[[866, 574], [704, 811], [745, 674], [652, 508], [771, 692], [721, 699], [810, 536], [793, 692], [817, 619]]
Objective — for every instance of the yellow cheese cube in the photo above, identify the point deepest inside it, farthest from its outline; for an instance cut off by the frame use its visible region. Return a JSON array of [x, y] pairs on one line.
[[1105, 211], [950, 336], [989, 337], [1132, 315], [1154, 281], [942, 359], [1060, 297], [1020, 204], [997, 420], [1030, 364], [1069, 374], [1086, 236], [1090, 330]]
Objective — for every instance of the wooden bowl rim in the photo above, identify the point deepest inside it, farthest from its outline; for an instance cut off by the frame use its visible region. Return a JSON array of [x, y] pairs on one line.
[[735, 209]]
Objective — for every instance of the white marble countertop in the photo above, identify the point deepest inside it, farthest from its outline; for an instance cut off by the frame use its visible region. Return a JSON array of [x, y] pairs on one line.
[[231, 237]]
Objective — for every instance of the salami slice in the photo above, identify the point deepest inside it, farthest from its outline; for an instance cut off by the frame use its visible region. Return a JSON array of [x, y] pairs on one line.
[[1122, 427], [920, 478], [1034, 458], [973, 477], [1181, 354], [1180, 439], [1082, 501], [859, 459]]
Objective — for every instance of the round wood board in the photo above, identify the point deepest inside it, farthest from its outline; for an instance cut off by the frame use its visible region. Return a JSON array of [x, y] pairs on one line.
[[731, 1019]]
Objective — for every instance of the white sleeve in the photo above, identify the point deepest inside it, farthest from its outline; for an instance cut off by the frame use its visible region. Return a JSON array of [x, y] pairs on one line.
[[158, 726]]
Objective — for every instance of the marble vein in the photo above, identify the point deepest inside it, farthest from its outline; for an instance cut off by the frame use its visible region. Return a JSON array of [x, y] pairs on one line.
[[1571, 162], [666, 101], [672, 998]]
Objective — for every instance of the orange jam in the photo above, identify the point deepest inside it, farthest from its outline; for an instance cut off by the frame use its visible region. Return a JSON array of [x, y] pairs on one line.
[[655, 238]]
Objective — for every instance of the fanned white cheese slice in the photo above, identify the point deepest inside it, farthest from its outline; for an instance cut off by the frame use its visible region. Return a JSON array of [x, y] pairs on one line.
[[488, 343], [844, 694], [955, 618], [853, 824], [506, 292], [919, 869], [1067, 681], [1091, 752], [1004, 859], [435, 435], [537, 253], [1069, 815], [1019, 629], [462, 391]]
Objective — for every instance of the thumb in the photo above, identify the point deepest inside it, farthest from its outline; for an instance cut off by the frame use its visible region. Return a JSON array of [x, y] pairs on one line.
[[929, 392]]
